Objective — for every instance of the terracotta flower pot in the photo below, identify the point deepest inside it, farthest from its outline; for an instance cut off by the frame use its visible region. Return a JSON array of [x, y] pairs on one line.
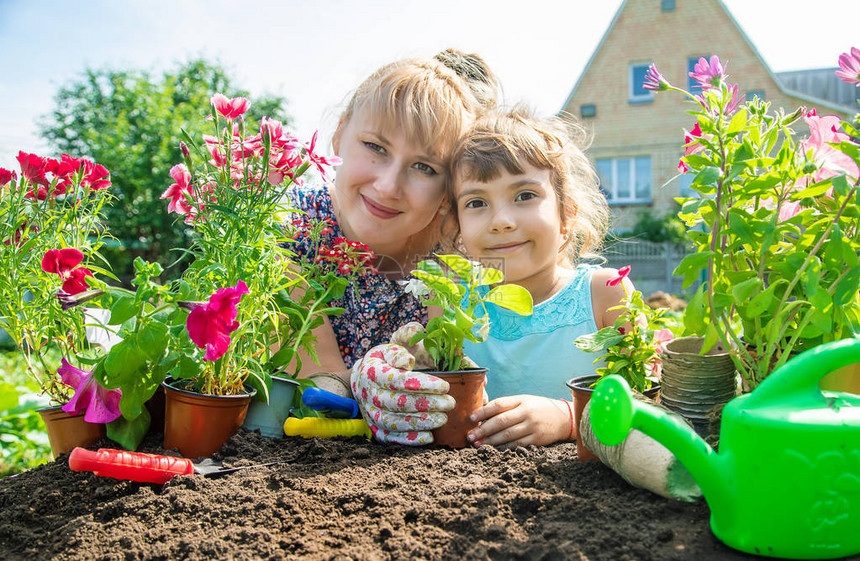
[[467, 389], [269, 417], [581, 390], [66, 431], [199, 424]]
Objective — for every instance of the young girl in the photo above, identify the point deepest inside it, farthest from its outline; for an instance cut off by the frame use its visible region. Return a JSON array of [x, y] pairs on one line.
[[395, 140], [527, 202]]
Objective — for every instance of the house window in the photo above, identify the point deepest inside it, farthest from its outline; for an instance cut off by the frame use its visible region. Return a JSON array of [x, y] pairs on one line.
[[625, 180], [638, 93], [588, 111], [693, 85], [667, 5], [754, 93]]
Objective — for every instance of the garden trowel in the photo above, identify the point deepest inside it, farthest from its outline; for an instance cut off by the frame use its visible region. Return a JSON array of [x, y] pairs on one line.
[[147, 468]]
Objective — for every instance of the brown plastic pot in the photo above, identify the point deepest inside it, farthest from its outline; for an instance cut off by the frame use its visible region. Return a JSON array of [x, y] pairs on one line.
[[199, 424], [65, 431], [581, 390], [467, 389]]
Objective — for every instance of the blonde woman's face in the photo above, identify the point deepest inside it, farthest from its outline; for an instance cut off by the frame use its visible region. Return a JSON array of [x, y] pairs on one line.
[[388, 189]]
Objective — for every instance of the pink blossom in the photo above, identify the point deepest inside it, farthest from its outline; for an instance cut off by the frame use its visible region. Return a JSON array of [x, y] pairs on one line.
[[178, 191], [75, 282], [849, 67], [622, 273], [830, 161], [230, 108], [734, 100], [6, 176], [61, 261], [691, 140], [320, 161], [270, 129], [789, 210], [96, 177], [33, 168], [654, 81], [210, 325], [101, 405], [709, 73]]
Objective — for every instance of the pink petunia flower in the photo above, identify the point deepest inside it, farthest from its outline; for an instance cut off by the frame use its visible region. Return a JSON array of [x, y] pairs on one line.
[[210, 325], [830, 161], [101, 405], [709, 73], [622, 273], [230, 108], [849, 67]]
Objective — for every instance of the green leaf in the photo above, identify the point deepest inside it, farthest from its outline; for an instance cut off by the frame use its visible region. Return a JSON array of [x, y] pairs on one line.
[[460, 265], [512, 297], [600, 340], [694, 314], [485, 276], [129, 433], [744, 291], [707, 176], [760, 303], [738, 122], [691, 265], [840, 185], [440, 285], [846, 288], [739, 226], [123, 309], [432, 267]]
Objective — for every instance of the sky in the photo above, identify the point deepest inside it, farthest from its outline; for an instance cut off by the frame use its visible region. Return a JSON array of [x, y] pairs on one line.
[[315, 52]]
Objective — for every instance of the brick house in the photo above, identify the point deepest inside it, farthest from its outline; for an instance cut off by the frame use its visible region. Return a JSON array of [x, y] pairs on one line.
[[637, 135]]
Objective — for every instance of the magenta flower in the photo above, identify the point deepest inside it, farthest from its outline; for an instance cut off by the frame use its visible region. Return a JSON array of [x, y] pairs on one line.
[[176, 192], [709, 73], [654, 81], [33, 168], [830, 161], [734, 100], [230, 108], [622, 273], [6, 176], [320, 161], [101, 405], [209, 325], [849, 67], [64, 262]]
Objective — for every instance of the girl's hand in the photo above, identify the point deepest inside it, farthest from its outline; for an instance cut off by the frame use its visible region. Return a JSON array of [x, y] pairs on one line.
[[520, 420]]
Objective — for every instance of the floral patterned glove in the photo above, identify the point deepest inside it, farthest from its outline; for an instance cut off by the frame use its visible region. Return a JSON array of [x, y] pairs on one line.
[[399, 405]]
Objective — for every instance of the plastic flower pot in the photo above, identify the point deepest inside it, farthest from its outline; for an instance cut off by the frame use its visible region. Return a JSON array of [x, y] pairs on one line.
[[65, 431], [467, 389], [697, 386], [269, 418], [199, 424], [581, 390]]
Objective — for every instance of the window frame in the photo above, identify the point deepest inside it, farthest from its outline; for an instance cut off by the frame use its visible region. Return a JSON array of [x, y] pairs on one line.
[[633, 97], [611, 193]]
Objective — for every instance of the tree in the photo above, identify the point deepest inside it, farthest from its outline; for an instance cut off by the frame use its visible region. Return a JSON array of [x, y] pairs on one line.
[[132, 124]]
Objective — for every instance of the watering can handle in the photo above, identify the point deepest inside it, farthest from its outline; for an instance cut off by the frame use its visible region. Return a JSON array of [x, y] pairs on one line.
[[803, 372]]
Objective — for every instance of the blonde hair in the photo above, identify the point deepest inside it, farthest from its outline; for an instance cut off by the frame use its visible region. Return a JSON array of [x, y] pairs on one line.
[[505, 141], [433, 100]]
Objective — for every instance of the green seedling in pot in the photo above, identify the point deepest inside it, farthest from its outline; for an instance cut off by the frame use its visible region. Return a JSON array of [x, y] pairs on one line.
[[786, 482]]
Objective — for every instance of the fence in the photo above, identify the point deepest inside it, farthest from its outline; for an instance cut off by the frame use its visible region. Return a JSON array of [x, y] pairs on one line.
[[651, 265]]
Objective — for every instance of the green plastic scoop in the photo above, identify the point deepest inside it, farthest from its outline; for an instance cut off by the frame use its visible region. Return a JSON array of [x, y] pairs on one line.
[[786, 482]]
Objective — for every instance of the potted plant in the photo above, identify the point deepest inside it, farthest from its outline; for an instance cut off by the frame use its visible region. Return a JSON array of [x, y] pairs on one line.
[[51, 235], [774, 226], [461, 290], [631, 348]]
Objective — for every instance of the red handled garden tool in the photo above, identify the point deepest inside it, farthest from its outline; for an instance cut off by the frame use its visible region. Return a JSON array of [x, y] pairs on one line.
[[148, 468]]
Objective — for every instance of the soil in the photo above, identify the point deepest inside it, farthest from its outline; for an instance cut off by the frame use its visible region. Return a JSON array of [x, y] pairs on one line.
[[343, 499]]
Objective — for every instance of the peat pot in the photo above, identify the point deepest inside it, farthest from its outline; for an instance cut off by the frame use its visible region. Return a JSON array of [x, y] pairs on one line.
[[199, 424], [269, 417], [467, 389], [65, 431]]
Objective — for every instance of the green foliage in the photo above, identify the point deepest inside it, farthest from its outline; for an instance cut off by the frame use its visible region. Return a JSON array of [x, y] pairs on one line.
[[651, 228], [130, 121], [23, 440], [458, 290]]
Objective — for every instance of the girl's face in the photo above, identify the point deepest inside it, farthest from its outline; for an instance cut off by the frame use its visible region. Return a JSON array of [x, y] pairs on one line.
[[513, 223], [388, 189]]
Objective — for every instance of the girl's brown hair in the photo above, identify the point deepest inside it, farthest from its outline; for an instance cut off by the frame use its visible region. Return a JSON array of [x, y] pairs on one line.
[[505, 141]]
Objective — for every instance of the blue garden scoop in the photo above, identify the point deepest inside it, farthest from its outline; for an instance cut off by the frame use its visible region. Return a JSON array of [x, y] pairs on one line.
[[786, 481]]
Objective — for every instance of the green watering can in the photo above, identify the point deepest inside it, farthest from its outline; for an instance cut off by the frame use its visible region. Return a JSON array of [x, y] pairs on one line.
[[786, 482]]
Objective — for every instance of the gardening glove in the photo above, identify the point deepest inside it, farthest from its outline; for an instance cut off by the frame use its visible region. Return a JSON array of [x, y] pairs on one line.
[[399, 405]]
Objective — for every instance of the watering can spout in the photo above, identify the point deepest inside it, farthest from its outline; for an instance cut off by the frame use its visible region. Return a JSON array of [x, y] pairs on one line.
[[614, 413]]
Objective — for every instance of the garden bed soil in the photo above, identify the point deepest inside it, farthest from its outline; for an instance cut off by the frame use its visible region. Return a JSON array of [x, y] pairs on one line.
[[345, 499]]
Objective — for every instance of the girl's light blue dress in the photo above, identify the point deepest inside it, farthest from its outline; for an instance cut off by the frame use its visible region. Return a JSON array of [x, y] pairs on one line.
[[535, 354]]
